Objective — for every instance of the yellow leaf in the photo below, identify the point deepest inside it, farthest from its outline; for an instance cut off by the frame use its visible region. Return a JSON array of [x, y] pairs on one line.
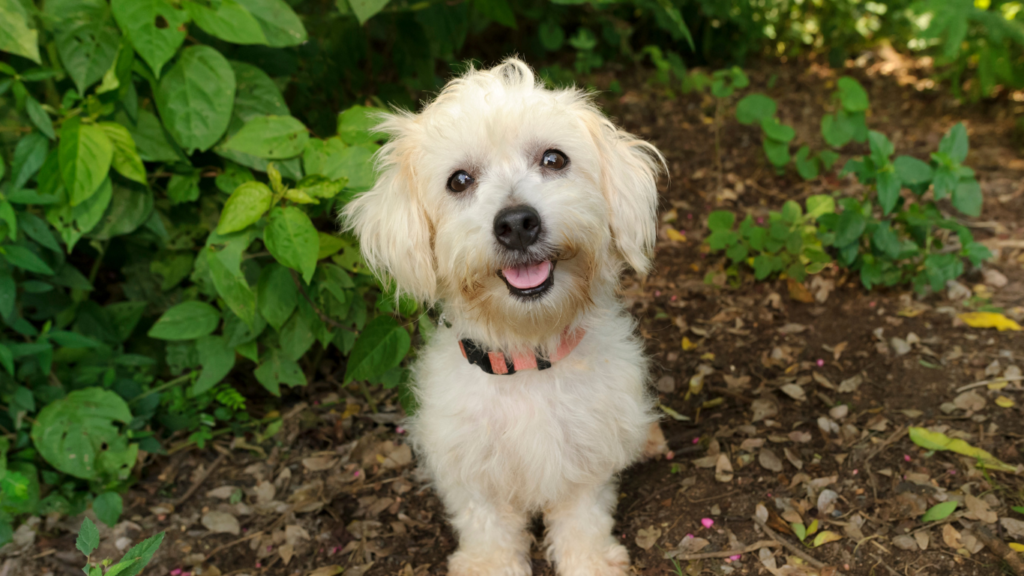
[[910, 312], [998, 385], [1004, 402], [937, 441], [675, 235], [826, 537], [675, 415], [687, 345], [989, 320], [813, 528], [707, 356], [1016, 546]]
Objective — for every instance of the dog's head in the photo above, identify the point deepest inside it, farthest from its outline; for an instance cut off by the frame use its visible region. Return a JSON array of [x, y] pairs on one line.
[[515, 205]]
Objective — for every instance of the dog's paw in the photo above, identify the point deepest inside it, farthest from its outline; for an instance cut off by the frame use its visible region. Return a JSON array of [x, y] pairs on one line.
[[656, 446], [614, 562], [463, 564]]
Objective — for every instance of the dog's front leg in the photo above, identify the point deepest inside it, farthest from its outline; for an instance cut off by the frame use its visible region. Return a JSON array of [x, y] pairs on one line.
[[579, 533], [493, 540]]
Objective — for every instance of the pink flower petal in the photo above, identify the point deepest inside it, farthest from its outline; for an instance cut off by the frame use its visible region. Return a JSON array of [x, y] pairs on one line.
[[707, 522]]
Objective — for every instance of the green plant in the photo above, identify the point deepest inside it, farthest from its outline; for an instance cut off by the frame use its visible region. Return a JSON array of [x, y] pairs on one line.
[[887, 238], [131, 564]]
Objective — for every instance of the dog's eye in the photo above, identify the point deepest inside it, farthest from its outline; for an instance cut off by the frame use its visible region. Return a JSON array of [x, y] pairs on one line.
[[460, 181], [554, 159]]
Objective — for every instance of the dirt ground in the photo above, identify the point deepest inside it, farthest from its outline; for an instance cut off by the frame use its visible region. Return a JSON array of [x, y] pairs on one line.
[[803, 408]]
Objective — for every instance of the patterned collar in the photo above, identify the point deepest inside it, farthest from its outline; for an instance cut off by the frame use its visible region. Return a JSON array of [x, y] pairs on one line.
[[499, 363]]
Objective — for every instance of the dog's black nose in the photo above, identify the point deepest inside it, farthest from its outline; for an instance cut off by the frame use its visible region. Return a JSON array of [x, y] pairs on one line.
[[517, 227]]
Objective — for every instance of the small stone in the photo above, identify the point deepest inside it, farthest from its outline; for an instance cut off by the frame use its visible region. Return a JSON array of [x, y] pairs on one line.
[[899, 346], [839, 412], [994, 278]]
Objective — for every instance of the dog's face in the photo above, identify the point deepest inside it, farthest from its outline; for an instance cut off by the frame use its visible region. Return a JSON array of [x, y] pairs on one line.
[[512, 203]]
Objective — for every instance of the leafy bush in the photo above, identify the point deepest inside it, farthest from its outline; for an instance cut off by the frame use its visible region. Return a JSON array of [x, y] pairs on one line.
[[131, 564], [884, 237]]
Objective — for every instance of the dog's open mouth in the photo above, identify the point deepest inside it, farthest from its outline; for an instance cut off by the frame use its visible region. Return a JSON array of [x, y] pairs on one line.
[[529, 280]]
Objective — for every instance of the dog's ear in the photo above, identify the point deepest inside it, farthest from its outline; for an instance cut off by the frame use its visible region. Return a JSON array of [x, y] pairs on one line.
[[629, 172], [390, 221]]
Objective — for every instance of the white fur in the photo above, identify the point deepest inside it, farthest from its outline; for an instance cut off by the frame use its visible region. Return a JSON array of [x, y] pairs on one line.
[[503, 448]]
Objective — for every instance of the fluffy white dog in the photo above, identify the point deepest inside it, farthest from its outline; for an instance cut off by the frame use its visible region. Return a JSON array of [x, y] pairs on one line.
[[516, 208]]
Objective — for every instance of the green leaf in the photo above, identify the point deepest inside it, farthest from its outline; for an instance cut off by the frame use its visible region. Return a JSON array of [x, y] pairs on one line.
[[887, 241], [232, 177], [296, 337], [74, 222], [7, 215], [355, 125], [195, 97], [944, 182], [277, 295], [836, 129], [108, 507], [130, 206], [76, 433], [329, 245], [88, 537], [186, 321], [941, 268], [913, 171], [551, 35], [819, 205], [246, 205], [497, 10], [23, 258], [791, 212], [852, 95], [806, 166], [154, 27], [280, 24], [87, 48], [229, 21], [125, 159], [257, 94], [85, 157], [29, 155], [320, 187], [182, 188], [292, 240], [755, 108], [276, 370], [881, 148], [380, 347], [366, 9], [272, 137], [778, 132], [16, 33], [849, 228], [40, 119], [231, 284], [777, 152], [967, 197], [152, 141], [763, 267], [888, 184], [141, 554], [721, 220], [955, 143], [6, 358], [828, 158], [940, 511], [217, 360]]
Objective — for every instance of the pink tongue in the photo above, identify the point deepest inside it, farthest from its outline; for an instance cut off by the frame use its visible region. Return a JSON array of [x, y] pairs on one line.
[[525, 277]]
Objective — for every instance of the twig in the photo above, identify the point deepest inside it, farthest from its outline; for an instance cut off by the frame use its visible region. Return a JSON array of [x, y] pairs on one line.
[[1000, 549], [199, 481], [807, 557], [930, 525], [992, 381], [323, 317], [888, 442], [232, 543], [727, 553], [886, 566]]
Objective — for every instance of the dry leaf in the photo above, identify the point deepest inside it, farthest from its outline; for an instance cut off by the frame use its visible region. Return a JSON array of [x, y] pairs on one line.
[[792, 328], [399, 457], [645, 539], [825, 537], [989, 320], [905, 542], [823, 381], [769, 461], [1013, 527], [286, 551], [761, 512], [851, 384], [978, 509], [222, 493], [723, 469], [951, 537], [319, 463], [675, 236], [969, 401], [327, 571], [922, 540], [799, 292], [221, 523], [763, 408], [838, 350], [800, 436], [733, 383], [795, 392], [796, 462], [688, 345]]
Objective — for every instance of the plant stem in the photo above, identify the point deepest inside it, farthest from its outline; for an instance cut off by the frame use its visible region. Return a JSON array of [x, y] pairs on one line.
[[718, 147], [220, 432], [164, 386], [369, 398], [96, 264]]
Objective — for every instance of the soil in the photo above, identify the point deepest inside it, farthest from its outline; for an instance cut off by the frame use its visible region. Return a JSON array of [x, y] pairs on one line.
[[337, 486]]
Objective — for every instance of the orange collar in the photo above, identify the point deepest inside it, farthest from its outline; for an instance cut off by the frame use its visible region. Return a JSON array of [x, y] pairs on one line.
[[499, 363]]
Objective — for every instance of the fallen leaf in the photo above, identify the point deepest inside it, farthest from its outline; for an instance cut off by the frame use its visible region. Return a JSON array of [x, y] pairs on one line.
[[265, 492], [799, 292], [723, 469], [761, 512], [937, 441], [922, 539], [286, 551], [851, 384], [989, 320], [319, 463], [223, 493], [675, 415], [1013, 527], [769, 461], [826, 537], [734, 383], [839, 412], [221, 523], [978, 509], [795, 392], [792, 328], [1016, 546], [327, 571], [763, 409], [904, 542], [401, 456], [940, 511], [951, 537], [826, 501], [796, 462], [675, 236], [646, 539], [837, 351], [688, 345], [969, 401], [1004, 402]]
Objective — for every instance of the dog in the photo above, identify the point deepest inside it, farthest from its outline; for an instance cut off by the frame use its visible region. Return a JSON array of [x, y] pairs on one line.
[[516, 208]]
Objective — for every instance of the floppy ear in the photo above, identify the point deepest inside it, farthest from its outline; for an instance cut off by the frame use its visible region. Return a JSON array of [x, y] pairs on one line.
[[629, 172], [389, 219]]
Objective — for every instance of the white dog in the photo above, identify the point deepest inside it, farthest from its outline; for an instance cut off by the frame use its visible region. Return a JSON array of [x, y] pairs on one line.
[[516, 208]]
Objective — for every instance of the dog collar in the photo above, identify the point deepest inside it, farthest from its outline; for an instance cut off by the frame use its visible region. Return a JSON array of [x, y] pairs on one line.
[[499, 363]]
